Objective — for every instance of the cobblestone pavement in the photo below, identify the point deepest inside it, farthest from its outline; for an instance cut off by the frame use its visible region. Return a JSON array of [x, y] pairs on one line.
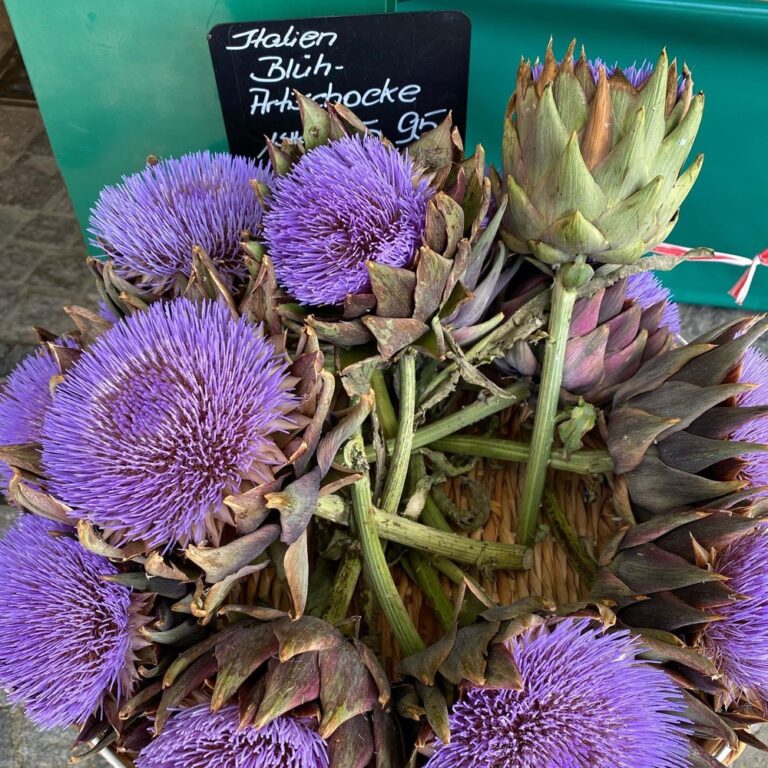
[[41, 265]]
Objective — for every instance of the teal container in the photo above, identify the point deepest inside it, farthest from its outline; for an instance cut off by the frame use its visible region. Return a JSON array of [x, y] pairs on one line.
[[117, 81], [725, 44]]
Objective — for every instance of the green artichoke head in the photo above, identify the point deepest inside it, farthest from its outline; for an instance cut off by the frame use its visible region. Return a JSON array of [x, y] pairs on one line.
[[591, 163]]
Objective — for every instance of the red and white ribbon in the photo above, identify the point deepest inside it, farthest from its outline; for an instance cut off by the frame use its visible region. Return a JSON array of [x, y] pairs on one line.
[[742, 285]]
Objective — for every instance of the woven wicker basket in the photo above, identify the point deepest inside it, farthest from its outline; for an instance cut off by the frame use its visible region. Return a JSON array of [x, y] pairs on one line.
[[588, 503]]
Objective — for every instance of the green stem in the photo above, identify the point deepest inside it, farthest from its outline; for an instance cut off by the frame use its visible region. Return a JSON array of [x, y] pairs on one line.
[[564, 295], [401, 454], [428, 373], [384, 408], [421, 568], [584, 563], [493, 555], [429, 582], [375, 561], [449, 568], [343, 590], [580, 463], [457, 421], [433, 517]]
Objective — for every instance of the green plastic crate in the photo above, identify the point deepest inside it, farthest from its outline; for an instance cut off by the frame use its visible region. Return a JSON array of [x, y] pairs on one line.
[[726, 46], [117, 81]]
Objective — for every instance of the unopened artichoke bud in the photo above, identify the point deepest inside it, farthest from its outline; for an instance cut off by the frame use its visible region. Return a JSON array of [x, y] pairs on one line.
[[655, 573], [592, 161], [612, 333], [375, 245], [533, 690], [671, 426], [700, 575], [297, 686]]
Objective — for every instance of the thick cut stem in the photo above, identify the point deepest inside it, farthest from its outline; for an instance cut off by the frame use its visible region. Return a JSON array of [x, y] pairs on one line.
[[376, 566], [343, 590], [564, 294], [493, 555], [592, 462], [401, 454]]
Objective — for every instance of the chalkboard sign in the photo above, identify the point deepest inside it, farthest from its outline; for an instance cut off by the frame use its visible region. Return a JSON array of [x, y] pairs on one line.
[[400, 73]]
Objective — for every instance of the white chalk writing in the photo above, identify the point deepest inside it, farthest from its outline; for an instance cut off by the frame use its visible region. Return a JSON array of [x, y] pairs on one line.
[[297, 54]]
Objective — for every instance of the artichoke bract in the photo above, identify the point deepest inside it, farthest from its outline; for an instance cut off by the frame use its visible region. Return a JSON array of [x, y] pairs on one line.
[[670, 427], [591, 166], [303, 670], [699, 574], [611, 334]]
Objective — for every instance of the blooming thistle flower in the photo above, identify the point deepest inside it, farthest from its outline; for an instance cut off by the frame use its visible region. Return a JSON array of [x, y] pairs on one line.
[[738, 640], [586, 701], [196, 736], [647, 290], [68, 636], [26, 397], [149, 224], [342, 205], [755, 371], [162, 417]]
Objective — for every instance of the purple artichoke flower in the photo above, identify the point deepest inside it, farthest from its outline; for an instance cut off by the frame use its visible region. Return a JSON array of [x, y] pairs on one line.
[[587, 701], [26, 397], [342, 205], [647, 290], [107, 313], [198, 737], [635, 73], [738, 640], [755, 371], [149, 224], [162, 417], [67, 636]]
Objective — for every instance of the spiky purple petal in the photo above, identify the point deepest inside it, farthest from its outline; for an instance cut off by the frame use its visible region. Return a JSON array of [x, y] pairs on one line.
[[646, 289], [636, 73], [755, 371], [26, 397], [163, 416], [342, 205], [65, 633], [107, 313], [197, 737], [586, 702], [738, 641], [150, 222]]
